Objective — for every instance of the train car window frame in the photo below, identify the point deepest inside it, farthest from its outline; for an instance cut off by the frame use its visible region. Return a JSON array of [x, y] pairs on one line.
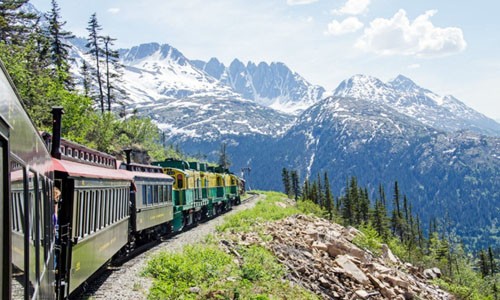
[[92, 211], [98, 212], [113, 205], [103, 210]]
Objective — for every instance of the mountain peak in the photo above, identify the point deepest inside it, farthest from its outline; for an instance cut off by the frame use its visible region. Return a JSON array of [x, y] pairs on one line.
[[402, 82], [141, 51]]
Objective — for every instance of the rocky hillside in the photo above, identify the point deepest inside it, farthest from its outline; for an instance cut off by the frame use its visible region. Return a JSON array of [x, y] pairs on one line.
[[321, 257]]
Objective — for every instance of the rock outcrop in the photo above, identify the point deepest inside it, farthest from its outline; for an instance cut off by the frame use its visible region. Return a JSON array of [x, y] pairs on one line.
[[321, 257]]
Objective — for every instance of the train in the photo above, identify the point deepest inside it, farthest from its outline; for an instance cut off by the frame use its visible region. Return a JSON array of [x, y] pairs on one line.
[[69, 210]]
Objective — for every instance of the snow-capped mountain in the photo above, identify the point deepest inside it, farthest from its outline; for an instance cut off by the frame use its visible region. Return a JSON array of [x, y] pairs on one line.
[[442, 112], [455, 173], [186, 102], [273, 85]]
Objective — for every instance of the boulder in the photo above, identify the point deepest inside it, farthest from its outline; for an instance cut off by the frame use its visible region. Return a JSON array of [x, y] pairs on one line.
[[351, 270], [388, 255], [340, 247], [429, 274]]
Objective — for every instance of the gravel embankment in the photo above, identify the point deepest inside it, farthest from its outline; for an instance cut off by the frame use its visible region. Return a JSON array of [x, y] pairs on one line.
[[125, 282]]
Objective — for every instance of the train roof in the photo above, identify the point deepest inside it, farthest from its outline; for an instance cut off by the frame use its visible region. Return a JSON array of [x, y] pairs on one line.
[[76, 169], [137, 175], [71, 151]]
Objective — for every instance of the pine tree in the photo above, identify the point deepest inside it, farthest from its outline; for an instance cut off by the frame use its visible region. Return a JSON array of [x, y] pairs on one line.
[[93, 44], [396, 220], [86, 78], [380, 219], [15, 25], [112, 72], [295, 184], [348, 204], [354, 199], [492, 263], [305, 190], [58, 47], [319, 193], [328, 197], [314, 193], [483, 264], [286, 181]]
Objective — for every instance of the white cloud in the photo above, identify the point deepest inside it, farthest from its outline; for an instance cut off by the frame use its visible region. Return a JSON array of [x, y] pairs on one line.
[[299, 2], [351, 24], [353, 7], [399, 36], [114, 10], [414, 66]]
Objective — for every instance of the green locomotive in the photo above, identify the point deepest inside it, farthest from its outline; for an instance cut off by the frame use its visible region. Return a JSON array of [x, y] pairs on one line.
[[199, 191]]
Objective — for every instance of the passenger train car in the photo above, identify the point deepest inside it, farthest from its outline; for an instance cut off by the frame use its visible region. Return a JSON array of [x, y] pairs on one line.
[[26, 179]]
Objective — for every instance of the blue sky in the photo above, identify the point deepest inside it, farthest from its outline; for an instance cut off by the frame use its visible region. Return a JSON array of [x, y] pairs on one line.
[[449, 47]]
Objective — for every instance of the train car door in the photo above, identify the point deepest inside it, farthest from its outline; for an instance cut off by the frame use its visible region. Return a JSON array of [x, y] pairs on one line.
[[4, 212]]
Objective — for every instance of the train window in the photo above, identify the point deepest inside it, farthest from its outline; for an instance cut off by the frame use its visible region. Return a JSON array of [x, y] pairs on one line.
[[102, 209], [119, 205], [93, 196], [125, 202], [150, 194], [121, 201], [97, 218], [115, 204], [84, 213], [109, 207], [21, 282], [161, 193], [180, 182], [155, 194]]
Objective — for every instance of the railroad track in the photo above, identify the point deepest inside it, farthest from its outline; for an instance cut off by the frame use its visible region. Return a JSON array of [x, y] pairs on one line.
[[120, 279]]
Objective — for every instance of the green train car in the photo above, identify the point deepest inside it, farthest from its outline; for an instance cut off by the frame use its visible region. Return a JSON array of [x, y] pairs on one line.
[[199, 191]]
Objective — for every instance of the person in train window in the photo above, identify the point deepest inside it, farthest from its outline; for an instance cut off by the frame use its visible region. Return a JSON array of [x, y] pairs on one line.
[[55, 221]]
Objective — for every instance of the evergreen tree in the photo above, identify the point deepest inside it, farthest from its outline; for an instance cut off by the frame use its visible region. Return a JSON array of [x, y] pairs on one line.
[[348, 213], [319, 193], [396, 220], [15, 25], [483, 264], [86, 79], [492, 263], [285, 176], [328, 197], [380, 219], [314, 193], [112, 72], [58, 47], [295, 184], [364, 206], [354, 199], [306, 190], [96, 51]]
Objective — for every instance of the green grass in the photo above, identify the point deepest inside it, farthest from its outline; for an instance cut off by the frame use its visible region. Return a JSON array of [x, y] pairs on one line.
[[206, 271], [264, 210]]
